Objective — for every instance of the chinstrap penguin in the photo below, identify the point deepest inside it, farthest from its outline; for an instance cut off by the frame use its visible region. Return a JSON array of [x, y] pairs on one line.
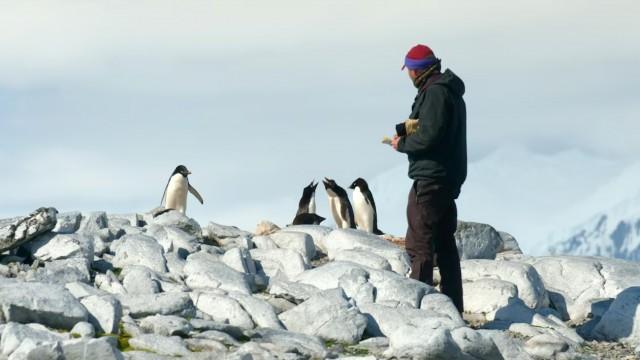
[[364, 207], [175, 193], [339, 203]]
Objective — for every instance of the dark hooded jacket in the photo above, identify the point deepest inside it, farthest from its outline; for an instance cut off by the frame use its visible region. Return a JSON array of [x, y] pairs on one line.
[[438, 150]]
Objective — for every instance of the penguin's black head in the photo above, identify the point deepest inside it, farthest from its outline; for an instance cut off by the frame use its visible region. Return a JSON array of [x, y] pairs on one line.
[[361, 183], [310, 189], [329, 184], [182, 170]]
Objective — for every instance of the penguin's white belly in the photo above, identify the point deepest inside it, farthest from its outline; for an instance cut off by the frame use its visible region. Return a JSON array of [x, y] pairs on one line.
[[336, 208], [312, 205], [363, 211], [177, 190]]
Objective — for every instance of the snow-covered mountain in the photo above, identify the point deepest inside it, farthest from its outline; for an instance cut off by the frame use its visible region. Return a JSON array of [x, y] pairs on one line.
[[612, 227]]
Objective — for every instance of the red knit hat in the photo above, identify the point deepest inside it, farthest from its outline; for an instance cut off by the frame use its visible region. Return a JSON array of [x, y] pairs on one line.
[[419, 57]]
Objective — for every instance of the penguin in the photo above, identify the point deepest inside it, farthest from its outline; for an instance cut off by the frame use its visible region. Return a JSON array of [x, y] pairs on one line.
[[340, 206], [175, 193], [364, 206], [307, 219], [307, 202]]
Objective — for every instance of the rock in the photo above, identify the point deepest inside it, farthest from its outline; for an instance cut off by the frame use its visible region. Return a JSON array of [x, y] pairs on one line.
[[17, 231], [327, 315], [140, 250], [486, 296], [475, 343], [253, 350], [93, 349], [218, 336], [436, 344], [222, 308], [94, 222], [105, 312], [317, 232], [328, 275], [263, 242], [15, 335], [357, 287], [530, 286], [53, 246], [209, 325], [163, 345], [109, 283], [47, 304], [203, 272], [214, 349], [400, 322], [509, 243], [30, 349], [67, 223], [260, 311], [477, 241], [508, 347], [394, 288], [297, 241], [81, 290], [364, 258], [122, 220], [166, 325], [576, 283], [545, 346], [287, 341], [239, 259], [217, 233], [164, 304], [266, 228], [63, 271], [277, 263], [622, 321], [175, 263], [140, 280], [351, 239], [441, 304], [292, 290], [83, 329], [178, 220], [175, 240]]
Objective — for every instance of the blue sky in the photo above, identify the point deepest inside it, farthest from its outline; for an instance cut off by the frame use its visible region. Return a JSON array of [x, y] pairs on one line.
[[100, 101]]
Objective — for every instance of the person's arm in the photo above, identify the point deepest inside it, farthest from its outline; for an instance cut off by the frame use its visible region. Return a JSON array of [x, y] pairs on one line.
[[432, 120]]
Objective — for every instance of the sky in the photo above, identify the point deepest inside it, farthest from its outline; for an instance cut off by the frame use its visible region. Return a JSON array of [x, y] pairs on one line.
[[100, 101]]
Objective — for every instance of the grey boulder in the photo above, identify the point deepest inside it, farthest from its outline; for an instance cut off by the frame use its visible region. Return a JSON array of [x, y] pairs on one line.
[[105, 312], [17, 231], [140, 250], [327, 315], [477, 241], [47, 304]]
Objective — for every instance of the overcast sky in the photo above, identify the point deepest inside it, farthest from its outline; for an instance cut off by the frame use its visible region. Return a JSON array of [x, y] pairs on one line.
[[99, 101]]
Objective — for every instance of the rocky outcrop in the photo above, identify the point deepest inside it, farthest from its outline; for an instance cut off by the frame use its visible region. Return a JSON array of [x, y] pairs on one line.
[[17, 231], [92, 285]]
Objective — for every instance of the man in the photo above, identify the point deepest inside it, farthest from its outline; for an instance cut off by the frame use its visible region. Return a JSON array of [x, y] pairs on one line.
[[437, 153]]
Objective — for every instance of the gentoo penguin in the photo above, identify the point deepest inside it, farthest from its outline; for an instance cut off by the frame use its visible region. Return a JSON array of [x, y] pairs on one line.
[[175, 193], [307, 202], [307, 219], [365, 207], [339, 203]]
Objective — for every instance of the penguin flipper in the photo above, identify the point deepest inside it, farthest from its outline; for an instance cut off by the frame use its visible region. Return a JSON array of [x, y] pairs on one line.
[[195, 193]]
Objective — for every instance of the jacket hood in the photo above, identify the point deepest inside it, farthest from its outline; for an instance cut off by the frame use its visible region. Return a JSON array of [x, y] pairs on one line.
[[452, 81]]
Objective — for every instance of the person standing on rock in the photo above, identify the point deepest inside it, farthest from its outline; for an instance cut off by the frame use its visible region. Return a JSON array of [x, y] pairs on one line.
[[437, 152]]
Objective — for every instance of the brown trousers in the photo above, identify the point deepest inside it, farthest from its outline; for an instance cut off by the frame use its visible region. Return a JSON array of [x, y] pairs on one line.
[[432, 217]]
